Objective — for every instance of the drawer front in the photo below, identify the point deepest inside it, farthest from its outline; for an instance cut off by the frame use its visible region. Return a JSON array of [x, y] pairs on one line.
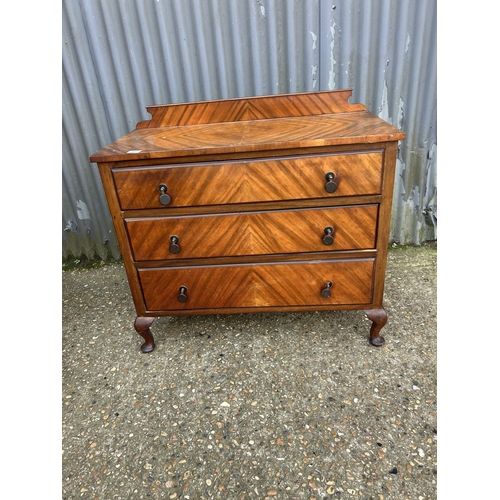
[[254, 233], [294, 284], [292, 178]]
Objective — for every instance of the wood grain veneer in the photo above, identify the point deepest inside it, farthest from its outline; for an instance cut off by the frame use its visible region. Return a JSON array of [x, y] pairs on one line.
[[258, 285], [278, 179], [250, 108], [230, 206], [254, 233]]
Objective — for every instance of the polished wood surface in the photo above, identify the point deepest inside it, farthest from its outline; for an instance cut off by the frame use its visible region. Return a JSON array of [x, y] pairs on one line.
[[227, 207], [253, 233], [142, 325], [257, 135], [251, 108], [283, 122], [277, 179], [379, 319], [258, 285]]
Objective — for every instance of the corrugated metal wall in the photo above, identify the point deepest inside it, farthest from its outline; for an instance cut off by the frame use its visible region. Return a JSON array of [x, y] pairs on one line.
[[122, 55]]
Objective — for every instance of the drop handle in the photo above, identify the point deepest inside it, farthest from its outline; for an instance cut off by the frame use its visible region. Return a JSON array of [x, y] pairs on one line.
[[165, 198], [330, 186], [182, 297], [174, 244], [328, 238], [326, 292]]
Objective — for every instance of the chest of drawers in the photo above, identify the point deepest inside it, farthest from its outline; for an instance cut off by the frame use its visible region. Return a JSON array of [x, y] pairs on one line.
[[275, 203]]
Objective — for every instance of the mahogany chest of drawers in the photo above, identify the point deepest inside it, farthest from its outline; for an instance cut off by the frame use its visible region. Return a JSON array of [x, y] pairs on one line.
[[275, 203]]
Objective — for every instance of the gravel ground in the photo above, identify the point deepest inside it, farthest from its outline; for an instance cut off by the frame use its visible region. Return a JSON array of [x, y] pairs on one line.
[[262, 406]]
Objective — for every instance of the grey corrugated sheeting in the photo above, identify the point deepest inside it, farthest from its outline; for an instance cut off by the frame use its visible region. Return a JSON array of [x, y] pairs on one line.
[[119, 57]]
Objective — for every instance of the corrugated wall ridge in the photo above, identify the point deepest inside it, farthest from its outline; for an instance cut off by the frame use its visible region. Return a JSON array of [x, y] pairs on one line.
[[119, 57]]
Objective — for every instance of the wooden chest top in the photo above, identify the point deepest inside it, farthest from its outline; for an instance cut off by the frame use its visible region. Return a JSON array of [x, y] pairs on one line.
[[251, 124]]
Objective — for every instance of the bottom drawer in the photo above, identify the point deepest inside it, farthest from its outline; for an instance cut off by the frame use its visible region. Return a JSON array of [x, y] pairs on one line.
[[293, 284]]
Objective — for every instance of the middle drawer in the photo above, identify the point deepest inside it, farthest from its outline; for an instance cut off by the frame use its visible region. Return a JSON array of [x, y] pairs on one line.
[[253, 233]]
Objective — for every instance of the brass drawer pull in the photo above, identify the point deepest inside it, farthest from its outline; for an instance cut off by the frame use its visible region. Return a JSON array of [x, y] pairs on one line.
[[182, 297], [326, 292], [165, 199], [328, 238], [330, 186], [174, 244]]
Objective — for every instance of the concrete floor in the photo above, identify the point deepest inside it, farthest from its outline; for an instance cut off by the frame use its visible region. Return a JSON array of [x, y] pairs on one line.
[[262, 406]]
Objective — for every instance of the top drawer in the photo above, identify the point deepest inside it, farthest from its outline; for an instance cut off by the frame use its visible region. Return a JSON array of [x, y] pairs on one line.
[[249, 181]]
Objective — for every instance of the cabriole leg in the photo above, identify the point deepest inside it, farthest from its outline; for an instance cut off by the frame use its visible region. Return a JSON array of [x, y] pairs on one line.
[[379, 318], [141, 326]]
